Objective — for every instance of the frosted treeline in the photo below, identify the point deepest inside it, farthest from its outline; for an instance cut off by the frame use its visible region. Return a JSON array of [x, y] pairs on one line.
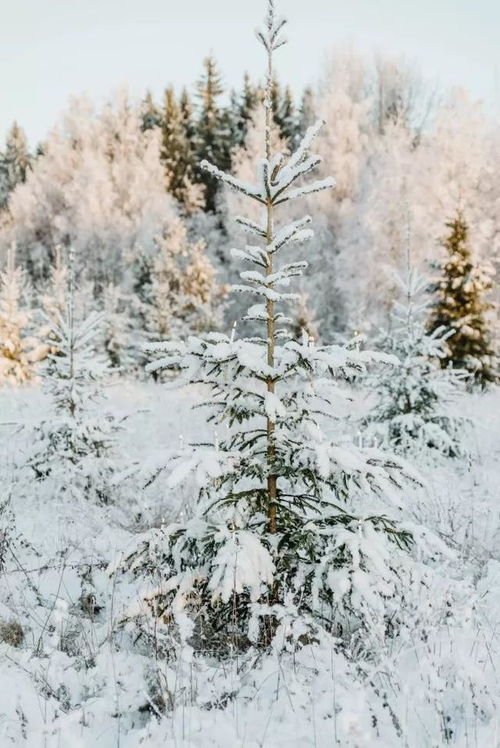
[[111, 181]]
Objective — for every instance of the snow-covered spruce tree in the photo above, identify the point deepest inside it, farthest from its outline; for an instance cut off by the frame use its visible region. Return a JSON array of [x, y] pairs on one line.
[[19, 349], [291, 526], [412, 413], [461, 307], [73, 446]]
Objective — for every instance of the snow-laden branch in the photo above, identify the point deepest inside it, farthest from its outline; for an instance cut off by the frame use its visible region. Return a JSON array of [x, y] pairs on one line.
[[305, 144], [281, 276], [251, 226], [237, 184], [287, 176], [292, 232], [275, 176], [268, 293], [256, 255], [292, 270], [308, 189]]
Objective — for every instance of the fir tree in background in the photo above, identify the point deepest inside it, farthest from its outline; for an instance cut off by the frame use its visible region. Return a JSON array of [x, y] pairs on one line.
[[14, 163], [291, 526], [151, 114], [412, 415], [212, 141], [461, 306], [73, 445], [249, 101], [19, 349], [188, 121], [307, 113], [284, 112], [178, 154]]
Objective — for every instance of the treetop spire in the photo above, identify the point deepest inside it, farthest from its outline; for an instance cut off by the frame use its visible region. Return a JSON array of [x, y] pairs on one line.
[[271, 37]]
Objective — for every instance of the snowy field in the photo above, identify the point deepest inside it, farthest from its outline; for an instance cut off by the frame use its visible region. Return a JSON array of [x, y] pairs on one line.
[[72, 675], [217, 527]]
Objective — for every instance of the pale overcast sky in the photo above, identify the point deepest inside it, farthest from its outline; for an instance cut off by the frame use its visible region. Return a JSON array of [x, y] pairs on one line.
[[50, 49]]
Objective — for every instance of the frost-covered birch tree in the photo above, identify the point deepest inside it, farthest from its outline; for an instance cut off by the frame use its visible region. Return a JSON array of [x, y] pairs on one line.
[[292, 528], [99, 187]]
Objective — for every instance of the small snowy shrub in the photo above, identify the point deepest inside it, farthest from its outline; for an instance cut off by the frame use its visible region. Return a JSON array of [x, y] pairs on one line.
[[413, 413], [73, 445]]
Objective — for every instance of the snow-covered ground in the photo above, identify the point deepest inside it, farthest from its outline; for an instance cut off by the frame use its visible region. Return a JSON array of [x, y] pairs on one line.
[[71, 674]]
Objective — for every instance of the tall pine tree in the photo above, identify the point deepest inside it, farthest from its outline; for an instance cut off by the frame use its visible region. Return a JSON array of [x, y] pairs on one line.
[[177, 153], [306, 115], [151, 114], [188, 121], [461, 306], [286, 117], [251, 95], [212, 140]]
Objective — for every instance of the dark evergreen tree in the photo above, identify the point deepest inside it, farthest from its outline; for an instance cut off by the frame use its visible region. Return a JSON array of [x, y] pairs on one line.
[[151, 114], [284, 111], [188, 122], [173, 144], [178, 154], [233, 119], [461, 306], [286, 117], [14, 162], [212, 140], [306, 114], [275, 98], [251, 96]]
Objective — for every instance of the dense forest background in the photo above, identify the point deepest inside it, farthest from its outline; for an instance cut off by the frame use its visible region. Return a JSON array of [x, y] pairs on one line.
[[150, 231]]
